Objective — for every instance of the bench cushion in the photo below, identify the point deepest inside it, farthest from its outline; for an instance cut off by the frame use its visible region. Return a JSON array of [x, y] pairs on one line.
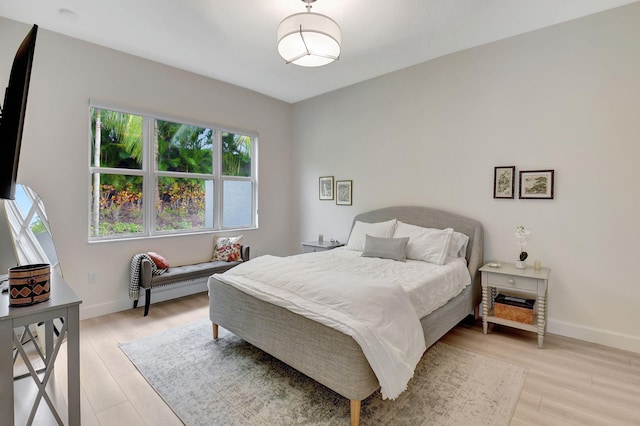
[[189, 272]]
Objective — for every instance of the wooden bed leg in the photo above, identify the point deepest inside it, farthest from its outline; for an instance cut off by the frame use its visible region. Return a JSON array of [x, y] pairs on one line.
[[476, 312], [215, 330], [355, 412]]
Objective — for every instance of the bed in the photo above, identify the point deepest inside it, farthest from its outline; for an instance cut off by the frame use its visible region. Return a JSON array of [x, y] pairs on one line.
[[323, 353]]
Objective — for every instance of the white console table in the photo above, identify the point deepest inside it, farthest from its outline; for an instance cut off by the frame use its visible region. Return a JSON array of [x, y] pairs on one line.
[[63, 304]]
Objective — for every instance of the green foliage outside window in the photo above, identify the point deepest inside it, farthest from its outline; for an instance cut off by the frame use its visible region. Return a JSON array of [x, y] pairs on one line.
[[37, 227], [181, 148], [180, 204], [236, 155]]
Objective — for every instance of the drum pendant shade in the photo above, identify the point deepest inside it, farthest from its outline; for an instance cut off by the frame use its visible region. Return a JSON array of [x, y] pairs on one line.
[[309, 39]]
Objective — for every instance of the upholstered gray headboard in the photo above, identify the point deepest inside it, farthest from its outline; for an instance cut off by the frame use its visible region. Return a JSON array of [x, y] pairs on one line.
[[435, 218]]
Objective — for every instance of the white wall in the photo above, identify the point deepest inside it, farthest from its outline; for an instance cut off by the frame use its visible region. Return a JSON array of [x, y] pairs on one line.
[[565, 98], [55, 151]]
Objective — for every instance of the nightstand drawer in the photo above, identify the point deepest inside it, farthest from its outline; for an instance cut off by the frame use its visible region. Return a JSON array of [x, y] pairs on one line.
[[511, 281]]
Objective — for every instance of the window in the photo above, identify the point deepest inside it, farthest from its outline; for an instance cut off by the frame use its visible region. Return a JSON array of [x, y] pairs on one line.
[[29, 227], [151, 176]]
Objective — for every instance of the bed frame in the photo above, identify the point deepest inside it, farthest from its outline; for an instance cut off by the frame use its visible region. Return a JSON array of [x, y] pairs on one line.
[[329, 356]]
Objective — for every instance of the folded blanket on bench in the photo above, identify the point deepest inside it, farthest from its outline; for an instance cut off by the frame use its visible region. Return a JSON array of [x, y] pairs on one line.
[[134, 273]]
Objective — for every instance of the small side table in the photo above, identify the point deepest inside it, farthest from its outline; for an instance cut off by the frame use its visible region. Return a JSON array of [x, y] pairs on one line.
[[524, 281], [64, 303], [314, 246]]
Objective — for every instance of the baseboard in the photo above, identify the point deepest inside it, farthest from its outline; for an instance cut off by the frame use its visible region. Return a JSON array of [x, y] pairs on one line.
[[595, 335], [157, 295], [90, 311]]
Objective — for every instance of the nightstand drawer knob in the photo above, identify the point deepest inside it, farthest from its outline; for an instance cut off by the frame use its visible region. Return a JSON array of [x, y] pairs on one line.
[[511, 281]]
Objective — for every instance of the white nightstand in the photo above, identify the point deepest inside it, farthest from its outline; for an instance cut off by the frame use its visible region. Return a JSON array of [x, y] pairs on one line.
[[313, 246], [527, 281]]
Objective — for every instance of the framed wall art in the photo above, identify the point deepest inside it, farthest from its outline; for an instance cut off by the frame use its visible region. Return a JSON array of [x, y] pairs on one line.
[[536, 184], [326, 188], [343, 192], [504, 182]]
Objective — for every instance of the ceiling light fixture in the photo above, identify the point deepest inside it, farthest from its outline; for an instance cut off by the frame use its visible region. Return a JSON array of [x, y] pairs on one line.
[[309, 39]]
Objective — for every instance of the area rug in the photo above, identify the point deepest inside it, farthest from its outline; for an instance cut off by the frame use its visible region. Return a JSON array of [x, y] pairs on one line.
[[230, 382]]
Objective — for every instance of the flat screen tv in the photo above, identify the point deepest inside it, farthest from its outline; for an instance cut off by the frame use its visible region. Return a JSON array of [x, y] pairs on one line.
[[13, 114]]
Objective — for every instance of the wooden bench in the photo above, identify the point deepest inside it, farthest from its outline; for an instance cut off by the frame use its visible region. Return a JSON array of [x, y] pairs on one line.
[[181, 274]]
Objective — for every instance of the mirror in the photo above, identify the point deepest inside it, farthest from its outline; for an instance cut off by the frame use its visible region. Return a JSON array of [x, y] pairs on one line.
[[25, 236]]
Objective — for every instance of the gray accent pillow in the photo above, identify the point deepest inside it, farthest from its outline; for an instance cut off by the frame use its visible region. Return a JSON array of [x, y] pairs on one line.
[[386, 248]]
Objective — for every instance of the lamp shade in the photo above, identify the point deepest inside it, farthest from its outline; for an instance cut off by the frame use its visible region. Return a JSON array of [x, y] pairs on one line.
[[309, 39]]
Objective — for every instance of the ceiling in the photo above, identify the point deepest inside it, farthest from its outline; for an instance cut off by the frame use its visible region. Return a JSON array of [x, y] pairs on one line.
[[235, 40]]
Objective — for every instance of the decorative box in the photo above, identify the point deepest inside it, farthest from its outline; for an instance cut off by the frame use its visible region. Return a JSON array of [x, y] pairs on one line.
[[29, 284], [514, 308]]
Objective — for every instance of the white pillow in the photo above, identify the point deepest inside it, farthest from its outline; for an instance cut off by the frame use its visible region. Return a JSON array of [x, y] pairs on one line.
[[361, 229], [458, 245], [426, 244]]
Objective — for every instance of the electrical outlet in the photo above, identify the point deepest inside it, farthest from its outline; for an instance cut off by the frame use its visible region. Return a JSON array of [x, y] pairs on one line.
[[92, 278]]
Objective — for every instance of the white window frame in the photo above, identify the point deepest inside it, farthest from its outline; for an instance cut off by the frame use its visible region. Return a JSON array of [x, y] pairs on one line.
[[150, 174], [28, 249]]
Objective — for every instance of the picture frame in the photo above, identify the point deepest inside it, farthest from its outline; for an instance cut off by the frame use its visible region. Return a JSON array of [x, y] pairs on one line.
[[504, 182], [536, 184], [344, 192], [325, 188]]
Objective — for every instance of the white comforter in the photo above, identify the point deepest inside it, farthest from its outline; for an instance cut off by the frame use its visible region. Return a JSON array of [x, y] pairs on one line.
[[377, 313], [429, 285]]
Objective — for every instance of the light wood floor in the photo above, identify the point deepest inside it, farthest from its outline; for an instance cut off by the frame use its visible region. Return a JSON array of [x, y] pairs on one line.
[[569, 382]]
